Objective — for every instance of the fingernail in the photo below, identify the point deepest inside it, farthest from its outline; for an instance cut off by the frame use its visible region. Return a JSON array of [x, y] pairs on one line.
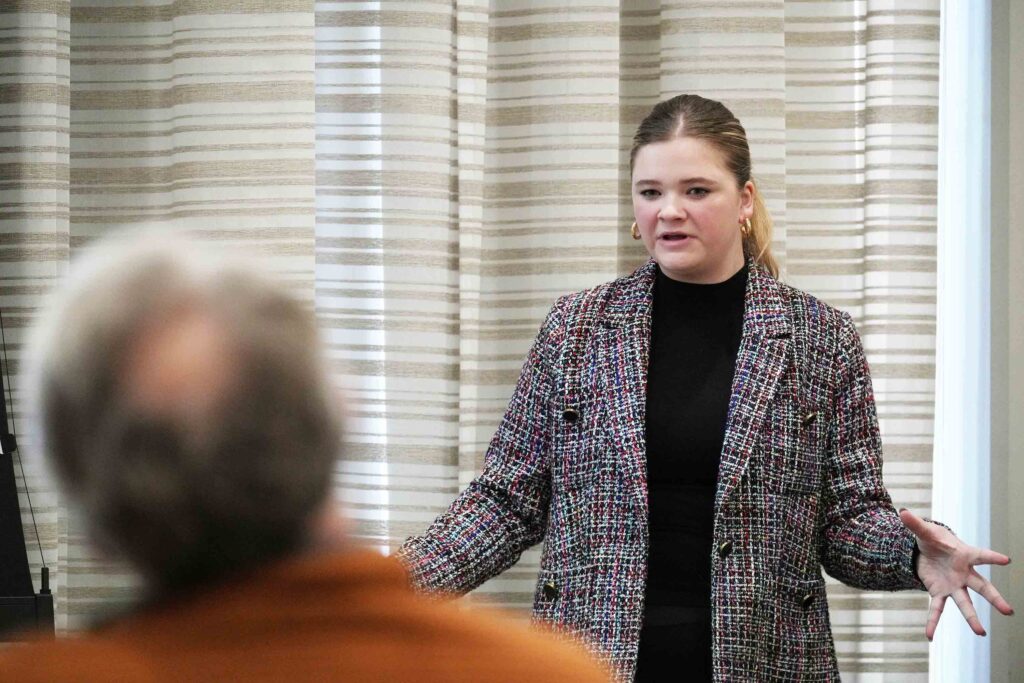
[[903, 509]]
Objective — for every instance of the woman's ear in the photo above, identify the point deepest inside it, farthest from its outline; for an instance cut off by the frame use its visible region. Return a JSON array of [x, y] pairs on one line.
[[747, 193]]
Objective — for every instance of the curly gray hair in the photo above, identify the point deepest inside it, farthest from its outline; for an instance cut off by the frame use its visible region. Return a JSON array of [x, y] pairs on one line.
[[185, 407]]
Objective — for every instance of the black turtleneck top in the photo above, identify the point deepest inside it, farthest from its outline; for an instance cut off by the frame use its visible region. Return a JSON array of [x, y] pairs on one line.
[[695, 336]]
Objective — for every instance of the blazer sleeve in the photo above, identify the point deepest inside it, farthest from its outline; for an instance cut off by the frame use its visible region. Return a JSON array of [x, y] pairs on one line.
[[504, 510], [863, 542]]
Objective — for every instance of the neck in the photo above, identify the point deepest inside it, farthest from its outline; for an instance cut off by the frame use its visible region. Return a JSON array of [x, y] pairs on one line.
[[713, 276], [329, 530]]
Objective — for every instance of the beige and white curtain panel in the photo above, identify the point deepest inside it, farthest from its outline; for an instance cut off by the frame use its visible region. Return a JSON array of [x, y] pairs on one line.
[[432, 175]]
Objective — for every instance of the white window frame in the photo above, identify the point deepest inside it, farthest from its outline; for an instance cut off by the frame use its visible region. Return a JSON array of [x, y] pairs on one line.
[[962, 452]]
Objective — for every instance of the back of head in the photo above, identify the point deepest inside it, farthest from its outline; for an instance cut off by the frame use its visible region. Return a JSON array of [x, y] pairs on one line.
[[709, 120], [185, 408]]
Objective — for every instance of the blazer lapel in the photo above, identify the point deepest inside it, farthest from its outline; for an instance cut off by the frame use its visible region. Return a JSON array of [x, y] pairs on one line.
[[625, 336], [762, 358]]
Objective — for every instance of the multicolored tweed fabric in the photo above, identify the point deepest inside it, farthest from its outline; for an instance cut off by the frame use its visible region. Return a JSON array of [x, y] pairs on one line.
[[799, 487]]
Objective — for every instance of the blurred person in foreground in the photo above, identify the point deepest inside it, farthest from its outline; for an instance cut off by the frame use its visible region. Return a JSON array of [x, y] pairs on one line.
[[185, 408]]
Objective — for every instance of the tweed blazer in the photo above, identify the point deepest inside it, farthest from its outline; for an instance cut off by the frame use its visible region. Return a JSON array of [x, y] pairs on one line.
[[799, 484]]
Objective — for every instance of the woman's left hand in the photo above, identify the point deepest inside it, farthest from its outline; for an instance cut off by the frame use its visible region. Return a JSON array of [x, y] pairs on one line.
[[946, 567]]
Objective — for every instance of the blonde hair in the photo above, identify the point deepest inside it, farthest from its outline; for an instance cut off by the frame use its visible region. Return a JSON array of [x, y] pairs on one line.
[[698, 117]]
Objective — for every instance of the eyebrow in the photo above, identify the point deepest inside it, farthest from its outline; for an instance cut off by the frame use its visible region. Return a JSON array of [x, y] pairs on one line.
[[686, 181]]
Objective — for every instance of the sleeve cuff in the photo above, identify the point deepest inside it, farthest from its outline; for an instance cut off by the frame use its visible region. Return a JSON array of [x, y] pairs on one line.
[[916, 553]]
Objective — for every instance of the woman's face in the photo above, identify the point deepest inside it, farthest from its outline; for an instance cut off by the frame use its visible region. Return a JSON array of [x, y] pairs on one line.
[[689, 210]]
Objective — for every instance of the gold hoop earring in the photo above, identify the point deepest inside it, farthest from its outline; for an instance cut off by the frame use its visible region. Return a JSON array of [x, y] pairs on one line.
[[634, 230], [746, 228]]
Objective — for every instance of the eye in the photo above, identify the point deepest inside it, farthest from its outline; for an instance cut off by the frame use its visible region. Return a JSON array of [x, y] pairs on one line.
[[649, 194], [698, 191]]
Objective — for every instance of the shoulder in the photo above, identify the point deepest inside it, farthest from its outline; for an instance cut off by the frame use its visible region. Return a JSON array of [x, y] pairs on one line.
[[586, 307], [814, 319], [415, 637], [826, 337], [82, 659], [484, 645]]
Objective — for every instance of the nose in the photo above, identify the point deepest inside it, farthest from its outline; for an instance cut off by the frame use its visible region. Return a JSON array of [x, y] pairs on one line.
[[671, 211]]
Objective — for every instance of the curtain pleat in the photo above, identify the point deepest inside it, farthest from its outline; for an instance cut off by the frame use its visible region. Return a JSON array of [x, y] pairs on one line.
[[860, 185], [34, 240]]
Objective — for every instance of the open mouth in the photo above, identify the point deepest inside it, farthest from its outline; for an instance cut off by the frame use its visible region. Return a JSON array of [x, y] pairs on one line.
[[675, 237]]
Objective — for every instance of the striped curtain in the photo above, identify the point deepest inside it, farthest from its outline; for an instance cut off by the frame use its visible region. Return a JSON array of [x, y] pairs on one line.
[[194, 114], [458, 166]]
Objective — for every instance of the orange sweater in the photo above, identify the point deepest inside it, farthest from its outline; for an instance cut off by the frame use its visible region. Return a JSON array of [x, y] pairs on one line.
[[339, 617]]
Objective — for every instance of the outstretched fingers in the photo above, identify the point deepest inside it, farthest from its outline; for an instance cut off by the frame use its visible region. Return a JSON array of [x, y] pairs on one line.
[[983, 587], [986, 556], [963, 601], [934, 612]]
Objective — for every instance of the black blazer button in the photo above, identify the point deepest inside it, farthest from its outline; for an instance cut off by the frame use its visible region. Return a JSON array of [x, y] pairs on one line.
[[571, 415], [807, 600], [725, 549], [550, 590], [809, 418]]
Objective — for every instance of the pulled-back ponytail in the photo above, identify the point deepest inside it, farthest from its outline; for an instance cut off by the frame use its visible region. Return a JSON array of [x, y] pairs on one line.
[[757, 245]]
